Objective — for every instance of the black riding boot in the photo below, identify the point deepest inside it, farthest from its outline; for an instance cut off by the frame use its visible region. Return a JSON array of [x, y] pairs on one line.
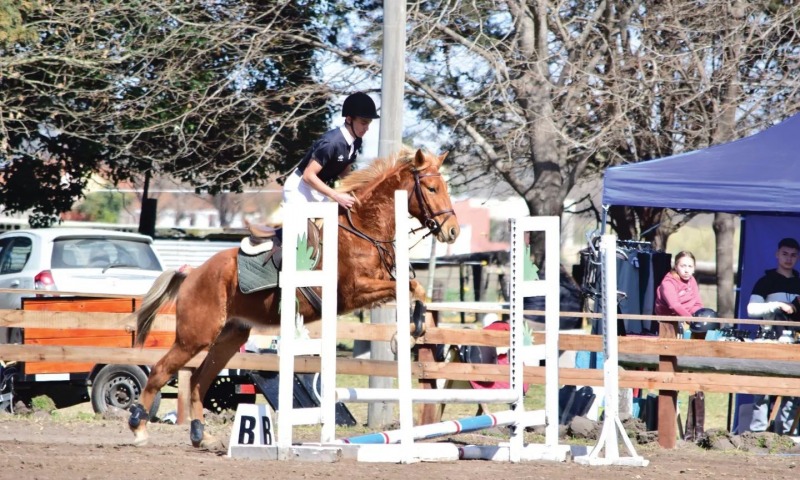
[[699, 415], [688, 432]]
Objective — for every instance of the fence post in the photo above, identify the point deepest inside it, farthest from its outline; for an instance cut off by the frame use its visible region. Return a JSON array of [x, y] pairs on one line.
[[184, 395], [667, 399], [380, 414]]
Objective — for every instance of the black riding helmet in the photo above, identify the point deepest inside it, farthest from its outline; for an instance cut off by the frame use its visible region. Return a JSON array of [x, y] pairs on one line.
[[359, 104], [704, 326]]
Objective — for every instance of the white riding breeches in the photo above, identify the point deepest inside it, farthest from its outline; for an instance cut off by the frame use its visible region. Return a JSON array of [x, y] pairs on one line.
[[296, 190]]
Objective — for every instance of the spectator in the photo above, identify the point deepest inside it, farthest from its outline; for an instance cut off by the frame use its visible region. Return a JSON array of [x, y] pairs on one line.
[[678, 294], [776, 294], [571, 300]]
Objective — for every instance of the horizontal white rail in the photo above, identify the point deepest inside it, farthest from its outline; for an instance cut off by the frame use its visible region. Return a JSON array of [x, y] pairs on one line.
[[305, 346], [305, 278], [306, 416], [533, 288], [454, 395]]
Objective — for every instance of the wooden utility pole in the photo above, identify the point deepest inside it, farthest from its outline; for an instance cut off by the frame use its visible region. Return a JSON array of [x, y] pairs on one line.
[[390, 141]]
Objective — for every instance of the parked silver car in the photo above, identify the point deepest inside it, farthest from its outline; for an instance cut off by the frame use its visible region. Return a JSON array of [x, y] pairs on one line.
[[80, 260]]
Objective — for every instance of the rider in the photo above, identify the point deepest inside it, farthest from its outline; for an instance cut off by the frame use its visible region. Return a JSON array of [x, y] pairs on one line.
[[332, 156]]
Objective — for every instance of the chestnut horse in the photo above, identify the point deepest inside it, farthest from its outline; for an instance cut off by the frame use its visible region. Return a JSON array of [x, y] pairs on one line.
[[212, 312]]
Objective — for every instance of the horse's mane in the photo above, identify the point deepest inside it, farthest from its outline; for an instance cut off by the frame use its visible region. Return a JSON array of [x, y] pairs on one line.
[[379, 169]]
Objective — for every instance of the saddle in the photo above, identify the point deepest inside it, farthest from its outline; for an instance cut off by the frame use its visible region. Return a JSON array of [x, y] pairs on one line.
[[261, 238], [260, 233], [261, 257]]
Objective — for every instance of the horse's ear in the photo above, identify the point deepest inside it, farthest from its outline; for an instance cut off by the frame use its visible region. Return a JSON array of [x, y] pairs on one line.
[[420, 162], [442, 157]]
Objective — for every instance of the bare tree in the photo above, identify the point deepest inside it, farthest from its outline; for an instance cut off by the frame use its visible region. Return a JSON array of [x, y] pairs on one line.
[[214, 94], [540, 94], [704, 65]]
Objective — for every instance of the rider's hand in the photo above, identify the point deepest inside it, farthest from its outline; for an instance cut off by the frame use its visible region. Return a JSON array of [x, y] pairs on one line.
[[787, 308], [344, 199]]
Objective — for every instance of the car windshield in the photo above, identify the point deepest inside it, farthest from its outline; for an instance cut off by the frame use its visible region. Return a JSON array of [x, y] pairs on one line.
[[103, 253]]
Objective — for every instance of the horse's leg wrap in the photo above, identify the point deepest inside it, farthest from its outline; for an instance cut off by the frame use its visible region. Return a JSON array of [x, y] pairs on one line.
[[138, 413], [196, 432], [418, 318]]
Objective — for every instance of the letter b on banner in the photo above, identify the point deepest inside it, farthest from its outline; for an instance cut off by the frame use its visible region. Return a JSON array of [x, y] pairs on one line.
[[252, 427]]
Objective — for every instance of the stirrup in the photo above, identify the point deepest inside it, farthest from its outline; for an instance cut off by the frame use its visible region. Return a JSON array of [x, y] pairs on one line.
[[418, 319]]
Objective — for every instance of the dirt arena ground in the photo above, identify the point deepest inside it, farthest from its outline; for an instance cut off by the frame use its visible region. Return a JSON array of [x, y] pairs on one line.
[[40, 446]]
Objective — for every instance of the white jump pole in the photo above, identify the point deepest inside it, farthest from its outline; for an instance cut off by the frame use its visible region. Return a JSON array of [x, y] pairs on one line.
[[450, 395], [289, 347], [549, 288], [612, 426], [449, 427], [403, 303]]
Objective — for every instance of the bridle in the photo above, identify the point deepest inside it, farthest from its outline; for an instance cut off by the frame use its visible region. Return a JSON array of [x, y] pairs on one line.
[[386, 247], [429, 216]]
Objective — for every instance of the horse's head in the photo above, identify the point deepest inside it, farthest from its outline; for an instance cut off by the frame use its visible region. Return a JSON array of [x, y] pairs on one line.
[[430, 200]]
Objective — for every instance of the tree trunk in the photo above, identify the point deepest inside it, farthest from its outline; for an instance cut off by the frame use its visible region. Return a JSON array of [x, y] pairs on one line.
[[723, 222], [723, 232]]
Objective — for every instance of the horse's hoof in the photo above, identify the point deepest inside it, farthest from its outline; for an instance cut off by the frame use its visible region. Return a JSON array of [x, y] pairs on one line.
[[418, 319], [140, 439], [212, 444]]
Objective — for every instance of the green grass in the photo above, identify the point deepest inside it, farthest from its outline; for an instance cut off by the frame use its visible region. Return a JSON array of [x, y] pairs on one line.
[[44, 403], [716, 406]]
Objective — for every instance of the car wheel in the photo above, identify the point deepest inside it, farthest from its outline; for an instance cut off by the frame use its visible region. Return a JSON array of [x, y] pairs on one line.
[[120, 386]]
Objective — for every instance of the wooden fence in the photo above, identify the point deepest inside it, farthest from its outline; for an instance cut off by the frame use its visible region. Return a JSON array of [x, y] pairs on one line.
[[674, 359]]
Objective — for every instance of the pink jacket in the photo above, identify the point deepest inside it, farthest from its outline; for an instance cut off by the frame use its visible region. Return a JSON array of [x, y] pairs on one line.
[[675, 297]]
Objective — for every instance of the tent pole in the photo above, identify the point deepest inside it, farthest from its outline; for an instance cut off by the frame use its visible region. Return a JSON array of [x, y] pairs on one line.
[[604, 219]]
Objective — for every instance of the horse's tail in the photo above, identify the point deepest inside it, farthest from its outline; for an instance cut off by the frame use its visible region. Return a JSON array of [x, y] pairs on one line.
[[164, 290]]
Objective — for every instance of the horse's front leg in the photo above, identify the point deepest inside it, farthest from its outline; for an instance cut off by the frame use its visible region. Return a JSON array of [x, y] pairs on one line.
[[417, 291]]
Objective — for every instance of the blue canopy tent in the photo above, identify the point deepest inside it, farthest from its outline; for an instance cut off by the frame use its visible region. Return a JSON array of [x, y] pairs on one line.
[[760, 173], [757, 176]]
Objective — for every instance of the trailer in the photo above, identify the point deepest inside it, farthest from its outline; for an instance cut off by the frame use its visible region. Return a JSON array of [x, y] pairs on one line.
[[104, 385], [118, 385]]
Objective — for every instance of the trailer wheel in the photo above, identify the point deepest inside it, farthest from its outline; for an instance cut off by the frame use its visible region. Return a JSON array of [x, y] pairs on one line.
[[120, 386], [222, 396]]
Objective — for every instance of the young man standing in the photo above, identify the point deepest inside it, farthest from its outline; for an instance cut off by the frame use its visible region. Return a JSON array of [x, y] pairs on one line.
[[776, 293]]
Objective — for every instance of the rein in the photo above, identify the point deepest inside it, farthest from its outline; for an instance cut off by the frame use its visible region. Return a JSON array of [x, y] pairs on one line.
[[386, 253]]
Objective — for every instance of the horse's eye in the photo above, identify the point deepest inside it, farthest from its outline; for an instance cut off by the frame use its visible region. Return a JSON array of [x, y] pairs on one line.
[[432, 189]]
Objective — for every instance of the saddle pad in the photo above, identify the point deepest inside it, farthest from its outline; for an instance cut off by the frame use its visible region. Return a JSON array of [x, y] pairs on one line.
[[257, 272]]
